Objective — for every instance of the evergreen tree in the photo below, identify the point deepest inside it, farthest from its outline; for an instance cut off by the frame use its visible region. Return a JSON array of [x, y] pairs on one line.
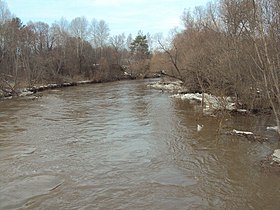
[[139, 46]]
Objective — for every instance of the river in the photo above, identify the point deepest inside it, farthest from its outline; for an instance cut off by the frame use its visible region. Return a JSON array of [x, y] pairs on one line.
[[122, 145]]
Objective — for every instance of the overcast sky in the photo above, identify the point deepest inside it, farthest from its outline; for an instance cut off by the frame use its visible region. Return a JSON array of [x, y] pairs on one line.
[[128, 16]]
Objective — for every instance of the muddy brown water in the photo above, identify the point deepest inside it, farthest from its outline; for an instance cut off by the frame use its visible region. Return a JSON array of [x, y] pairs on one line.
[[122, 145]]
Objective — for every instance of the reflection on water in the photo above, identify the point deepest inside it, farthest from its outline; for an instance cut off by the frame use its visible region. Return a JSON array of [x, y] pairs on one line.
[[122, 145]]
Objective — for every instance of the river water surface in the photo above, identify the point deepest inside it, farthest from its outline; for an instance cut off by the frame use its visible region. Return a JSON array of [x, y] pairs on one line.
[[122, 145]]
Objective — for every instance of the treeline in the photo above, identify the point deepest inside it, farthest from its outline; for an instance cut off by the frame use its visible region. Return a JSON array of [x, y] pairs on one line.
[[229, 47], [37, 53]]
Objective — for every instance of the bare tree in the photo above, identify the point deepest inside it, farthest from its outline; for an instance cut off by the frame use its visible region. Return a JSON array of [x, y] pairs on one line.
[[100, 33], [118, 44], [79, 29], [5, 13]]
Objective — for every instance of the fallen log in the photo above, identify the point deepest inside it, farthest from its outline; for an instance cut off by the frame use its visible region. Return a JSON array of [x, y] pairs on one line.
[[248, 135]]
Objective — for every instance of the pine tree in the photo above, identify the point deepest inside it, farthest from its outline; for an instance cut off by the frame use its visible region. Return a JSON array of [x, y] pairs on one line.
[[139, 46]]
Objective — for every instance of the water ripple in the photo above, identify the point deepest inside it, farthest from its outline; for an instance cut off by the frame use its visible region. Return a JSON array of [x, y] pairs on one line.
[[124, 146]]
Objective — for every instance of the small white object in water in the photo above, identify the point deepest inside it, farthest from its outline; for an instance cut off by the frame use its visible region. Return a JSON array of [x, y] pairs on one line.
[[199, 127], [242, 132], [276, 155], [272, 128]]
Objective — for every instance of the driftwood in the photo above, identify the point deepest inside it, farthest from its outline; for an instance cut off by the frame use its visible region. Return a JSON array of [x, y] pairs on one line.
[[248, 135]]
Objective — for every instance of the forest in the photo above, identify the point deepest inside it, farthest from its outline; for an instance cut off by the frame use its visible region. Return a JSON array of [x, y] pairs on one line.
[[225, 48], [37, 53]]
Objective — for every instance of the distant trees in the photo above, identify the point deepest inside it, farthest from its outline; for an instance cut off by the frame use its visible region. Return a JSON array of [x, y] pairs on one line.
[[37, 53]]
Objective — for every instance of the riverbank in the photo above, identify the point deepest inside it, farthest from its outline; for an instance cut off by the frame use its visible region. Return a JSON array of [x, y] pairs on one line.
[[9, 93], [21, 92], [209, 104]]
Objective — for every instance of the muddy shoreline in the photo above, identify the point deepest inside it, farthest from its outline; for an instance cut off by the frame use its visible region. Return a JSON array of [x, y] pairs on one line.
[[28, 91], [9, 93]]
